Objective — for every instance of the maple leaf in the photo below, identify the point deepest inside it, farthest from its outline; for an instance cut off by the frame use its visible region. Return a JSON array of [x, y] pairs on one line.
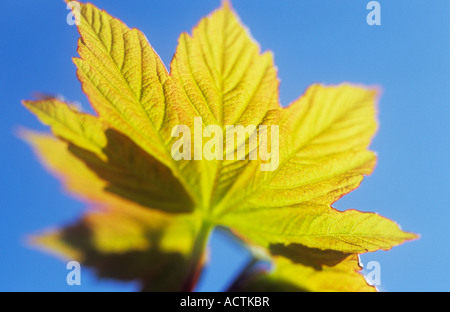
[[152, 212]]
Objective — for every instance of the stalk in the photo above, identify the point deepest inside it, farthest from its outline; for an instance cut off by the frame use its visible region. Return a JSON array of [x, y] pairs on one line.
[[196, 262]]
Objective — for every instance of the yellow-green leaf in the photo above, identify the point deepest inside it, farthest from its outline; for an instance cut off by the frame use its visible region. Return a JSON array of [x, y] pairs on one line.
[[323, 153], [305, 269], [128, 159], [129, 87], [122, 172], [318, 226], [69, 123], [228, 81], [131, 245]]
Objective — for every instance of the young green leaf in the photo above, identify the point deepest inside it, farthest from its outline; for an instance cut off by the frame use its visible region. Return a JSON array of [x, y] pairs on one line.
[[272, 193]]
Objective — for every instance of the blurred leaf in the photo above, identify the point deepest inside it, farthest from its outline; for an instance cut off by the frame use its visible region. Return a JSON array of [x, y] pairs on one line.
[[129, 245], [299, 268]]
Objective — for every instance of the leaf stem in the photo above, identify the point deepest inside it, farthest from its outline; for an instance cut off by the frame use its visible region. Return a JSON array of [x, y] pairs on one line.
[[196, 261]]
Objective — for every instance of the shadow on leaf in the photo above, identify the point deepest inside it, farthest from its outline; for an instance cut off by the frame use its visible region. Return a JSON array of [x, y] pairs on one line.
[[135, 175], [152, 250], [312, 257]]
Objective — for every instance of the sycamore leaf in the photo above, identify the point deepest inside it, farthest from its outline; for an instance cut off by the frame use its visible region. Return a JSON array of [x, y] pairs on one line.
[[151, 248], [300, 268], [228, 82], [131, 90], [120, 166], [158, 160]]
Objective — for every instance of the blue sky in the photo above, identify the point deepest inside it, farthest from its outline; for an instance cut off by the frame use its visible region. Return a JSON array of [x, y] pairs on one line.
[[313, 41]]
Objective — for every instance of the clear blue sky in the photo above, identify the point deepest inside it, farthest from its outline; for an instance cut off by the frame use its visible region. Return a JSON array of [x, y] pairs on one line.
[[313, 41]]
